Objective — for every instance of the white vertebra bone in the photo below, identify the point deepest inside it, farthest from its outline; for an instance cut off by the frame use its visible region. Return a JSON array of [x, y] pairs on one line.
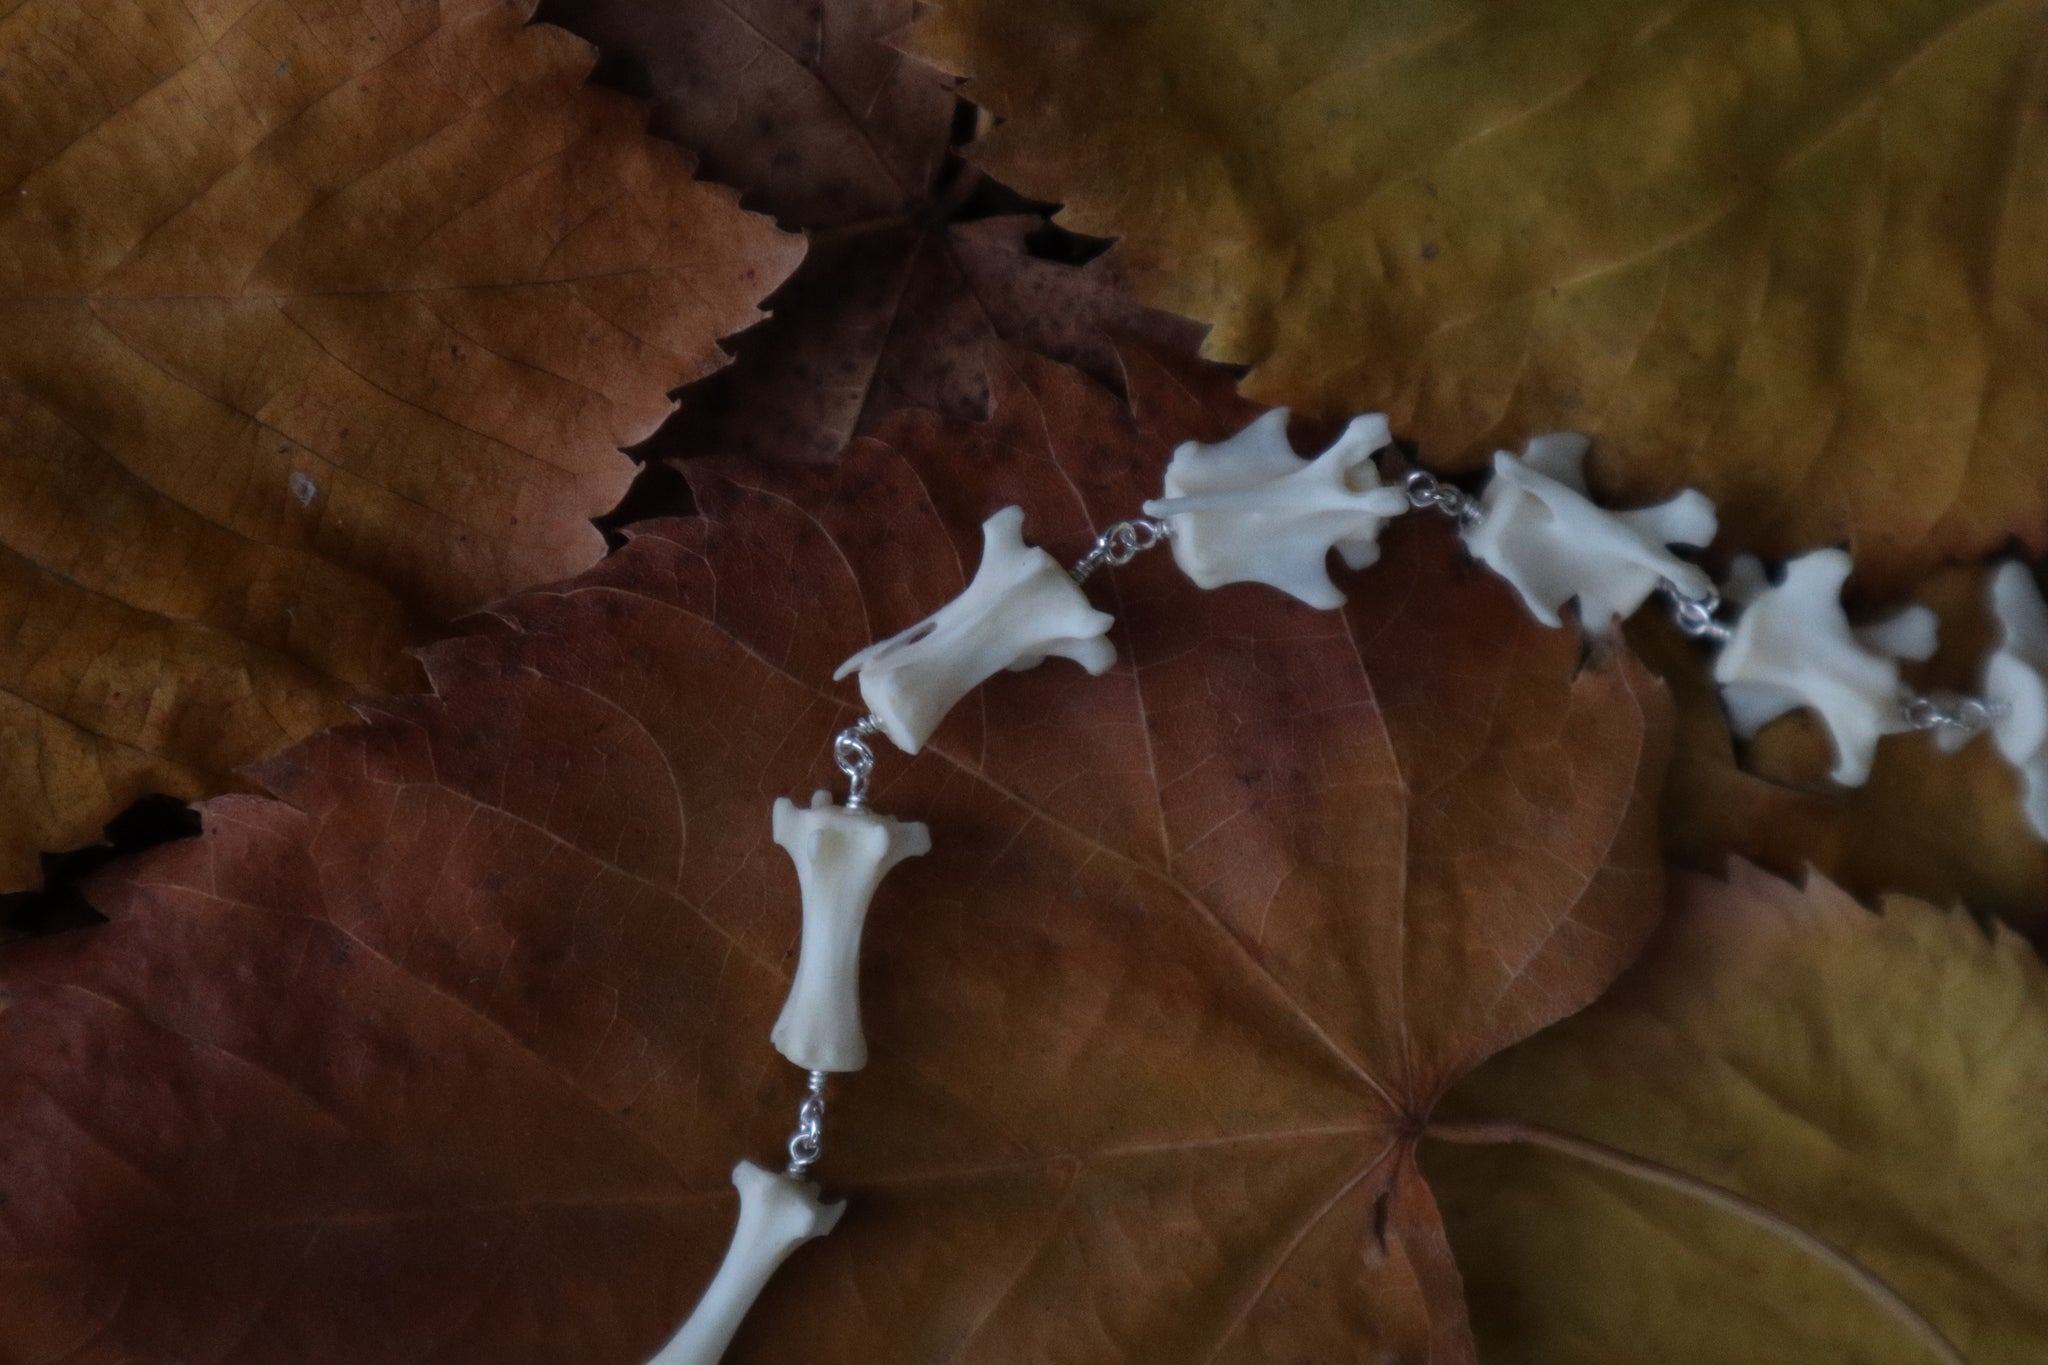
[[841, 856], [1021, 608], [1249, 510], [2016, 685], [778, 1213], [1541, 532], [1792, 646]]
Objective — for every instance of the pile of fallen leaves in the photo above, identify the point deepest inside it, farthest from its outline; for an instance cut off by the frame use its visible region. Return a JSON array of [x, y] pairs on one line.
[[1406, 982]]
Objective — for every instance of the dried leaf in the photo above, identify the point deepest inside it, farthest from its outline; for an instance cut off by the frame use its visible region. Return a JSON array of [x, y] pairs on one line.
[[1943, 827], [1873, 1079], [1792, 255], [806, 109], [449, 1050], [319, 325]]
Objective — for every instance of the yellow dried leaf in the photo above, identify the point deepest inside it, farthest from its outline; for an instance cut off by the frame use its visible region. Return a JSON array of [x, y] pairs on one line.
[[1794, 254], [1874, 1079]]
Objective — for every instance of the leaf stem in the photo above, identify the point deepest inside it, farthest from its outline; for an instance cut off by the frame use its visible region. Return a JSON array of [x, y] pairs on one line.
[[1873, 1286]]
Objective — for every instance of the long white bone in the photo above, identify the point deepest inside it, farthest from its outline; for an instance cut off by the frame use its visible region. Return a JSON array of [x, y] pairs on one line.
[[1249, 510], [2016, 685], [841, 856], [1541, 532], [778, 1214], [1021, 608], [1792, 646]]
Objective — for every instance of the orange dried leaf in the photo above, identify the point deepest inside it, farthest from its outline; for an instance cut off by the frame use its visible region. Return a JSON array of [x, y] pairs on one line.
[[320, 324], [453, 1044]]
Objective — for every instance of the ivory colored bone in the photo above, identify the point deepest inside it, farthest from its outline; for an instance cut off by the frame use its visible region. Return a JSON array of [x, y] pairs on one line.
[[778, 1213], [841, 856], [1249, 510], [1542, 533], [1021, 608], [2016, 685], [1792, 646]]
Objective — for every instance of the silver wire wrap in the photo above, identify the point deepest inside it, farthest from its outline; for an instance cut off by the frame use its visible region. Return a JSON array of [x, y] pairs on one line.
[[1119, 545], [856, 758], [1948, 717], [1427, 492], [1697, 618], [808, 1138]]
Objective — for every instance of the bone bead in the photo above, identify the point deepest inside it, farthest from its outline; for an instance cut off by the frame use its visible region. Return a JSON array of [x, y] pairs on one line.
[[1021, 608], [1792, 646], [778, 1213], [841, 856], [1249, 510], [2016, 685], [1542, 533]]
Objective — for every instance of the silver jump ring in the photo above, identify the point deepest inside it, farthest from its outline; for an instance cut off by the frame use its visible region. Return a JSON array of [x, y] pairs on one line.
[[1427, 492], [1697, 618], [809, 1138], [854, 757], [1120, 544]]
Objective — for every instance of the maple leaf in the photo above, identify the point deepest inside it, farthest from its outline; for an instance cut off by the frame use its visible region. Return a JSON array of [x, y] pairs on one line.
[[447, 1051], [1789, 260], [809, 111], [1870, 1080], [319, 325]]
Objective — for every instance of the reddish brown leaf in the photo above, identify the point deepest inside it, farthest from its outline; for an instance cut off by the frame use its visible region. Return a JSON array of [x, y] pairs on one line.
[[445, 1054], [808, 110]]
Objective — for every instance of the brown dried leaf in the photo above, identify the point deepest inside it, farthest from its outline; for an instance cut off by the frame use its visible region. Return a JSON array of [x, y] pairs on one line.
[[808, 110], [447, 1052], [319, 325]]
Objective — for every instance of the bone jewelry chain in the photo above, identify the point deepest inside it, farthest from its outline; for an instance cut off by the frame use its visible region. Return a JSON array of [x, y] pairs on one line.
[[1249, 510]]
